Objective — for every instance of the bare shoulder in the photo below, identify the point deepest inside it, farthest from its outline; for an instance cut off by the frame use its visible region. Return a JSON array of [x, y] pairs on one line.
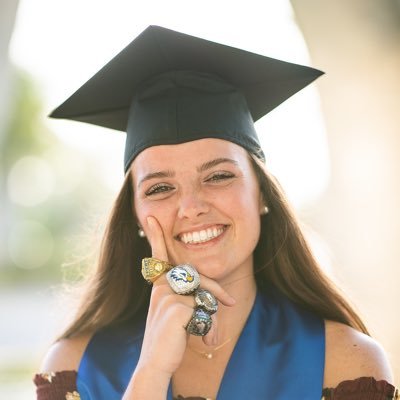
[[65, 355], [351, 354]]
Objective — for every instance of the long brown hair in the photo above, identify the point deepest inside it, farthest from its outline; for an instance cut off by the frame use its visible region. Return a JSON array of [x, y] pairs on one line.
[[117, 293], [282, 257]]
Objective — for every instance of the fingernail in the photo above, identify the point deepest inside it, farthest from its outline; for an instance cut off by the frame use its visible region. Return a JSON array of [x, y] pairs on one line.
[[231, 301], [150, 221]]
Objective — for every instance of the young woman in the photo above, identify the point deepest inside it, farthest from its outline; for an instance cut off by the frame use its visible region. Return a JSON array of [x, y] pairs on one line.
[[197, 192]]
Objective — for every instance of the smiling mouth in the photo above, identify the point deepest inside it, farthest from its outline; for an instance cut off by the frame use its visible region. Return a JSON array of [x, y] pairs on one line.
[[202, 236]]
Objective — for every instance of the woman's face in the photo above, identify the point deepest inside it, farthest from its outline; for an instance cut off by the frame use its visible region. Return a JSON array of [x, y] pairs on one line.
[[206, 198]]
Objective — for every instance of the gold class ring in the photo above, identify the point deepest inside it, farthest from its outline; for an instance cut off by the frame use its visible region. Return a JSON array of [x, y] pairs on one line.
[[153, 268]]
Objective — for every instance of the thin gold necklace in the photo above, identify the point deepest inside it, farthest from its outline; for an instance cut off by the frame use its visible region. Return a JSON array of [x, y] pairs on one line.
[[210, 354]]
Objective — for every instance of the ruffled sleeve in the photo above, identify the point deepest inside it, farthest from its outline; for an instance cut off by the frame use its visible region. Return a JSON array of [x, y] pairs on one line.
[[358, 389], [56, 386], [365, 388], [62, 386]]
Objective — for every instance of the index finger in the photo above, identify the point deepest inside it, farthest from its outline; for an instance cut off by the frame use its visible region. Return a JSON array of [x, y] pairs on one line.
[[156, 239]]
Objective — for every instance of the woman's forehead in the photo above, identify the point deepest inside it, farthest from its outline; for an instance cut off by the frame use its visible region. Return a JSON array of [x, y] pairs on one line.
[[189, 153]]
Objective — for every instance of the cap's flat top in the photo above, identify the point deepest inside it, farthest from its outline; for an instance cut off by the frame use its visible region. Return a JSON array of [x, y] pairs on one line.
[[105, 99]]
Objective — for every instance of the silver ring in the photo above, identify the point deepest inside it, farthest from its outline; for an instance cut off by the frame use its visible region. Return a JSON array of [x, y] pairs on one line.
[[206, 301], [200, 323], [183, 279]]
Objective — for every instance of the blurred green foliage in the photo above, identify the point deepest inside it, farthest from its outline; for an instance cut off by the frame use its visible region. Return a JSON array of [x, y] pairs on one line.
[[25, 134], [63, 215]]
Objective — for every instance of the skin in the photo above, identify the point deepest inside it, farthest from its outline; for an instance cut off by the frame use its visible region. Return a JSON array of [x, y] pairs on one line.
[[183, 189], [208, 183], [211, 184]]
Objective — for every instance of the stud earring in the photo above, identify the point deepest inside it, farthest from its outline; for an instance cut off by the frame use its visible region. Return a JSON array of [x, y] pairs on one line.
[[141, 233], [265, 210]]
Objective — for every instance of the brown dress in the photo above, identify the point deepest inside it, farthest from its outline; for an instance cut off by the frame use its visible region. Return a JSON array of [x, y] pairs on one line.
[[62, 386]]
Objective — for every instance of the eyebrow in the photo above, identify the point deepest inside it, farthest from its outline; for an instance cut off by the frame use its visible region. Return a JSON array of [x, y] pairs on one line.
[[213, 163], [203, 167], [158, 174]]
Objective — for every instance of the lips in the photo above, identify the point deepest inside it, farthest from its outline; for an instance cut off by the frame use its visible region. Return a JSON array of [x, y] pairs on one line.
[[203, 235]]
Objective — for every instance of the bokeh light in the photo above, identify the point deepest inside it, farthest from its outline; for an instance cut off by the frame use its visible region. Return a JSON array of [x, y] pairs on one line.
[[30, 181], [69, 169], [30, 244]]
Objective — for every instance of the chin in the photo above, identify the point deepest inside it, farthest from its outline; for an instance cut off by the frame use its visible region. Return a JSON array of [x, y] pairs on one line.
[[214, 272]]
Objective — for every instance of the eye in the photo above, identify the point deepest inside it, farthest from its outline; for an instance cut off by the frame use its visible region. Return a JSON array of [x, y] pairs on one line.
[[158, 188], [220, 176]]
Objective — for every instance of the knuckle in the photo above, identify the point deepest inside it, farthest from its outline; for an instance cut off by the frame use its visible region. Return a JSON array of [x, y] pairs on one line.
[[179, 312], [173, 301], [158, 292], [167, 302]]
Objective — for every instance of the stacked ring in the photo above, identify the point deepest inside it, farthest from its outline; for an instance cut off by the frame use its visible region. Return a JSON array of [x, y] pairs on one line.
[[206, 301], [206, 305], [200, 323], [183, 279], [153, 268]]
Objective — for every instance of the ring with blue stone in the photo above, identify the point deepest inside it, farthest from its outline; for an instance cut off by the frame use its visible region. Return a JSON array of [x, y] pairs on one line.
[[183, 279], [206, 301], [200, 323]]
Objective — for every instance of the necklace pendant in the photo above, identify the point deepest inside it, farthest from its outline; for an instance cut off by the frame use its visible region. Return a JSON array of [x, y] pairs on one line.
[[209, 356]]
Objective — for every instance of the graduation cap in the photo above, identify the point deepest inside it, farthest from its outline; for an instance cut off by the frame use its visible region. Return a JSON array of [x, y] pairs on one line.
[[167, 87]]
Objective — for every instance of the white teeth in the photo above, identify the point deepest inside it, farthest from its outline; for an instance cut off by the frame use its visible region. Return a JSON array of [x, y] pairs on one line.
[[201, 236]]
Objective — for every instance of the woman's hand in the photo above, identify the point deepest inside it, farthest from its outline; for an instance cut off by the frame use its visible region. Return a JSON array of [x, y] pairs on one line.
[[165, 336]]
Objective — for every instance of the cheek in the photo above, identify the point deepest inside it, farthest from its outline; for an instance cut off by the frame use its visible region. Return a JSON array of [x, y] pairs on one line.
[[141, 212], [247, 210], [243, 209], [245, 201], [161, 213]]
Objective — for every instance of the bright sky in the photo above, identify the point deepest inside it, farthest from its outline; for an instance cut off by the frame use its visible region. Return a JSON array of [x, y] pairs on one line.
[[63, 43]]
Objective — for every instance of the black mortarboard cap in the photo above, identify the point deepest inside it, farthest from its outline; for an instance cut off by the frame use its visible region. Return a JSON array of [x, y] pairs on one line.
[[167, 87]]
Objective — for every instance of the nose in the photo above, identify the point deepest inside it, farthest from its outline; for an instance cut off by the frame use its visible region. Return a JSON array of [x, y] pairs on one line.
[[192, 205]]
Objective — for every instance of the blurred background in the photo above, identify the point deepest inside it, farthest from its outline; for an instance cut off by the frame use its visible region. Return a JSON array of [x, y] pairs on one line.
[[335, 147]]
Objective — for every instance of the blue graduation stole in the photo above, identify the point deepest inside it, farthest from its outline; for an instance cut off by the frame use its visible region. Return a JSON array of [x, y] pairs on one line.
[[280, 355]]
